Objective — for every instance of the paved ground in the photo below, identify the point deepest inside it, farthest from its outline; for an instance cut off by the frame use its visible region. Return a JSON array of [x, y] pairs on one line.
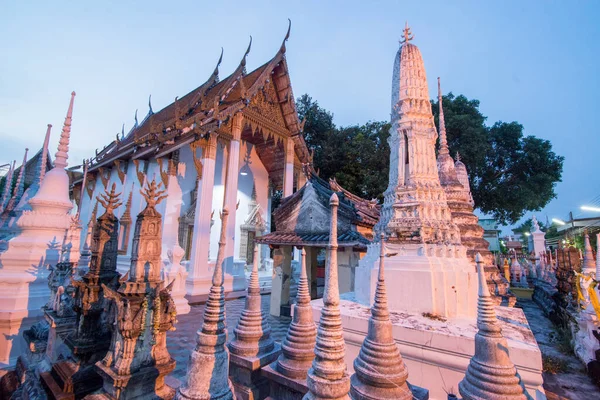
[[182, 341], [570, 380]]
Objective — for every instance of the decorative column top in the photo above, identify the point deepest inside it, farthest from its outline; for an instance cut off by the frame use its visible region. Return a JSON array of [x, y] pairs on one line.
[[62, 154], [237, 125]]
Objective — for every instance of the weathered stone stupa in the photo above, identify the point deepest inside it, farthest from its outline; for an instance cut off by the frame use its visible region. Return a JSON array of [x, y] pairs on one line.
[[380, 372], [23, 293], [141, 313], [491, 374], [431, 271], [328, 378], [253, 346], [288, 373], [208, 369]]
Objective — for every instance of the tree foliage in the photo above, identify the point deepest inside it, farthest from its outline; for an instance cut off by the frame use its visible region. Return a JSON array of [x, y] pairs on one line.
[[510, 173], [356, 156]]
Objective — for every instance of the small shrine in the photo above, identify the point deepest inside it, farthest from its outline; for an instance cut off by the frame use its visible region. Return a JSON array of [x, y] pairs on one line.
[[302, 220]]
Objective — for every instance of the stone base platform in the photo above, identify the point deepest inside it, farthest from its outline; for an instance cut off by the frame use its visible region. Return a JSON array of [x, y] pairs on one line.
[[246, 374], [282, 387], [437, 352]]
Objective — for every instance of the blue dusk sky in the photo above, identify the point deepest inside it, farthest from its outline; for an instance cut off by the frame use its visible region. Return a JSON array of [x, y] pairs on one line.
[[535, 62]]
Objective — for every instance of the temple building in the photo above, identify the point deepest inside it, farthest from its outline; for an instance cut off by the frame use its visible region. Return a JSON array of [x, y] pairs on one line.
[[230, 142]]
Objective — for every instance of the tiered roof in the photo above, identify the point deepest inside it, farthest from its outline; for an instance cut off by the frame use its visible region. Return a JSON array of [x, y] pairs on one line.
[[205, 109]]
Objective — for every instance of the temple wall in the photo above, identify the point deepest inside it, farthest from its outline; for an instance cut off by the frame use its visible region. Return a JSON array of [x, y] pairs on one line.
[[186, 178]]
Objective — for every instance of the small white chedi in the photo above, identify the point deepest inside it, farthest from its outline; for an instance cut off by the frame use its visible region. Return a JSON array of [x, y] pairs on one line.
[[23, 286]]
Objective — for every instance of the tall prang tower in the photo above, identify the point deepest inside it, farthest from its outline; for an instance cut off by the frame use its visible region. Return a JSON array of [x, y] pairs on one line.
[[415, 209], [429, 267]]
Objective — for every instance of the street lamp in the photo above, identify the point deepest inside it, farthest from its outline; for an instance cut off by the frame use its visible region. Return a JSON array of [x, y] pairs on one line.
[[590, 208], [558, 221]]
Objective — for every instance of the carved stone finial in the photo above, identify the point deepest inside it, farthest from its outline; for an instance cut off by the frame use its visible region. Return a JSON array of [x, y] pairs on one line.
[[110, 200], [457, 158], [126, 217], [328, 377], [491, 374], [407, 36], [60, 159], [379, 355], [152, 194], [253, 331]]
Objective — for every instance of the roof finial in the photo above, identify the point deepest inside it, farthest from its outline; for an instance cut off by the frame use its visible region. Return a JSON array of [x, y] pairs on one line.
[[135, 125], [287, 36], [63, 145], [457, 156], [243, 63], [407, 36], [442, 129], [150, 112]]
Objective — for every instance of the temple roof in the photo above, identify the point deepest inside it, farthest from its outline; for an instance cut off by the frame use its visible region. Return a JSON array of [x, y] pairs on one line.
[[345, 239], [206, 109]]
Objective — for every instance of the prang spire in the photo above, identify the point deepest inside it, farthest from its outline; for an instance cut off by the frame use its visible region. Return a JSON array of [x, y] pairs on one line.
[[7, 185], [63, 145], [20, 185], [41, 167], [442, 128]]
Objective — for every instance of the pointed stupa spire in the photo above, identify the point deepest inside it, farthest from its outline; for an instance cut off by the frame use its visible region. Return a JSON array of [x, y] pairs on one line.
[[328, 377], [208, 370], [491, 374], [43, 160], [126, 217], [62, 154], [589, 266], [20, 185], [253, 331], [407, 36], [7, 186], [297, 349], [379, 369], [442, 129]]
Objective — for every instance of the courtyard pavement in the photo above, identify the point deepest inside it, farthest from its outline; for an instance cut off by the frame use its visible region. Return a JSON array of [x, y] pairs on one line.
[[182, 341]]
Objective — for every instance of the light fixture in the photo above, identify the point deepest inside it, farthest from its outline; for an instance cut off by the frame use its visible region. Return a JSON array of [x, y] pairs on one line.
[[590, 208], [527, 233], [559, 221], [244, 170]]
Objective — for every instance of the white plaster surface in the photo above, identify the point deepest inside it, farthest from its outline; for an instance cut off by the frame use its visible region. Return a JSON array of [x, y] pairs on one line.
[[437, 353]]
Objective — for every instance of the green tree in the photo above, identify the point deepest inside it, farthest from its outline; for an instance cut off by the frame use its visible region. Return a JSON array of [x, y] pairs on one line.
[[356, 156], [509, 173]]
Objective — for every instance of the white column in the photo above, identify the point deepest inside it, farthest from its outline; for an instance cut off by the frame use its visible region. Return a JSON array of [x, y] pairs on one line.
[[288, 174], [199, 278], [231, 185]]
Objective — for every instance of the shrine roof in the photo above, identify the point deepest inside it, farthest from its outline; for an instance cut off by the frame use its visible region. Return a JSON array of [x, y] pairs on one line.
[[345, 239], [365, 212]]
